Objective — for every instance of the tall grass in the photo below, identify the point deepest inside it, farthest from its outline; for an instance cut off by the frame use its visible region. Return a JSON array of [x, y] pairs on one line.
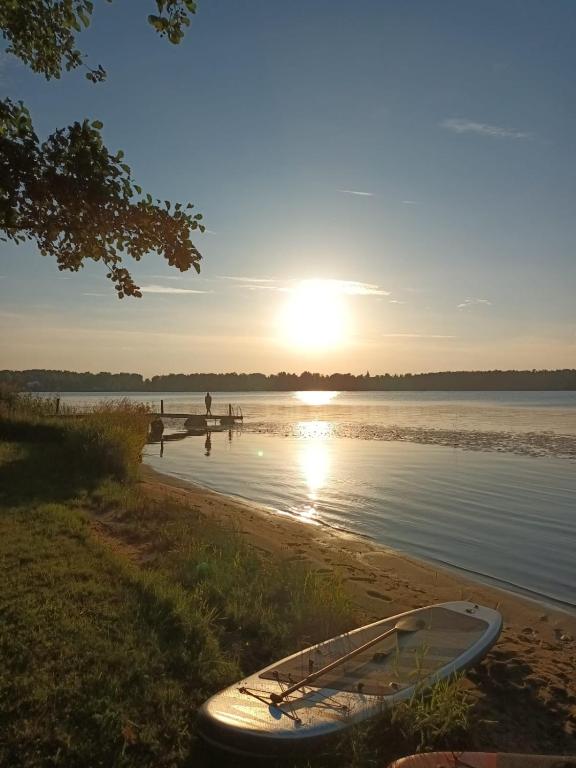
[[262, 607], [432, 719], [107, 441], [110, 439]]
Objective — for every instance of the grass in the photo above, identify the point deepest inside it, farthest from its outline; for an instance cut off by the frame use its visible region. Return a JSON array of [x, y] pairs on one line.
[[262, 607], [100, 666], [119, 615], [435, 719]]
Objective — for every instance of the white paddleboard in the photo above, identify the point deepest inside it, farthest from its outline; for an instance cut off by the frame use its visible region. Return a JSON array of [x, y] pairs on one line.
[[261, 715]]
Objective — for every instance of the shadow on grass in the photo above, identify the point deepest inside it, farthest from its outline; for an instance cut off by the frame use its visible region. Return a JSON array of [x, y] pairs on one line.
[[41, 473]]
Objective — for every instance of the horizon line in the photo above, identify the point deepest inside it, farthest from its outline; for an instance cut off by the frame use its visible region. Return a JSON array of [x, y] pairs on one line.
[[531, 371]]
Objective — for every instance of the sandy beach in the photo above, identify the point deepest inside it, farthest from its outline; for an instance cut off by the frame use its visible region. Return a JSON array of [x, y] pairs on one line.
[[524, 691]]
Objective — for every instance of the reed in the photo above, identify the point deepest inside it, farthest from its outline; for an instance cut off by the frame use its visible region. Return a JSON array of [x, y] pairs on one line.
[[106, 442]]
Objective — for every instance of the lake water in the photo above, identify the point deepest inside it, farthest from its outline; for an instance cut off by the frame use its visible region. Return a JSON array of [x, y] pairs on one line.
[[501, 505], [516, 411]]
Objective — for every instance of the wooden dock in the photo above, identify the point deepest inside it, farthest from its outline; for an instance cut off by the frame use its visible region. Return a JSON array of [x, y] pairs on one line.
[[193, 420], [233, 416]]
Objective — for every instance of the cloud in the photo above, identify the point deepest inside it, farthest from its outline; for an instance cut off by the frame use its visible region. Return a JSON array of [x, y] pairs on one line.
[[347, 287], [261, 287], [164, 277], [96, 294], [168, 289], [354, 288], [355, 192], [472, 302], [246, 279], [13, 315], [458, 125], [253, 283], [396, 301], [410, 202], [417, 336]]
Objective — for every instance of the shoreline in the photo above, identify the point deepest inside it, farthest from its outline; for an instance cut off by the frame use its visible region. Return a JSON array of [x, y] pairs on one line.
[[525, 686], [261, 522], [465, 575]]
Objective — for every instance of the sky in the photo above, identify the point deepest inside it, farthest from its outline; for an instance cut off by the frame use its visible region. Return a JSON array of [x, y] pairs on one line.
[[387, 185]]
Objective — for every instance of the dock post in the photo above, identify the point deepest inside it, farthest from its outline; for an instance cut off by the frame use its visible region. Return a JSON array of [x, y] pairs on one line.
[[162, 407], [57, 406], [229, 409]]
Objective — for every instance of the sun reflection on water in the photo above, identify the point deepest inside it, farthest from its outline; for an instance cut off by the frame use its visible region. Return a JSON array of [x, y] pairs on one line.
[[315, 397], [314, 462], [313, 430], [315, 465]]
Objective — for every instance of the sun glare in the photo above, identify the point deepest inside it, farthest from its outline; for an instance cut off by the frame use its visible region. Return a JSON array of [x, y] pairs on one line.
[[315, 397], [315, 463], [315, 316]]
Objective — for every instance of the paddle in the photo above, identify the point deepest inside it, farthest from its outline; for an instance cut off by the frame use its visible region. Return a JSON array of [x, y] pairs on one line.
[[408, 625]]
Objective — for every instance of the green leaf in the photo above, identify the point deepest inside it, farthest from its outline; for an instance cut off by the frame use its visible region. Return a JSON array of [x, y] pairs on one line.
[[175, 36], [159, 24], [98, 124]]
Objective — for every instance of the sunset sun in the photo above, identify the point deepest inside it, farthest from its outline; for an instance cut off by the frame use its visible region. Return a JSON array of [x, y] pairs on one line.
[[315, 316]]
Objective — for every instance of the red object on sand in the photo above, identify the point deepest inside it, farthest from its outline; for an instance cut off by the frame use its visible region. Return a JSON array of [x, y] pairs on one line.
[[484, 760]]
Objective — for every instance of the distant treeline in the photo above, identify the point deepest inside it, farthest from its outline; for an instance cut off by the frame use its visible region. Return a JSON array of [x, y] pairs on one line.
[[69, 381]]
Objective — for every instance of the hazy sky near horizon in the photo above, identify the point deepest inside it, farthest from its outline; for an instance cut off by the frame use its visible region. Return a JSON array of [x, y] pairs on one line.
[[418, 154]]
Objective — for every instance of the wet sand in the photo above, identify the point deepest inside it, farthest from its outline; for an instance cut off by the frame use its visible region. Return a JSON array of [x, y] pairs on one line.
[[524, 690]]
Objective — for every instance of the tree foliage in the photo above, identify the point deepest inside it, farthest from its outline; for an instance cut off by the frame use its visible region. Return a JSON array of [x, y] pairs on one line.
[[43, 32], [69, 193], [41, 380]]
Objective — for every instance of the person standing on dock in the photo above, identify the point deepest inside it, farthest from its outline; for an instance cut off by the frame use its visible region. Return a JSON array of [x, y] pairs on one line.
[[208, 402]]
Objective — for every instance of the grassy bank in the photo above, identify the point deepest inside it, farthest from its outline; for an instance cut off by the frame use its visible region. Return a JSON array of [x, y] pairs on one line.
[[120, 614]]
